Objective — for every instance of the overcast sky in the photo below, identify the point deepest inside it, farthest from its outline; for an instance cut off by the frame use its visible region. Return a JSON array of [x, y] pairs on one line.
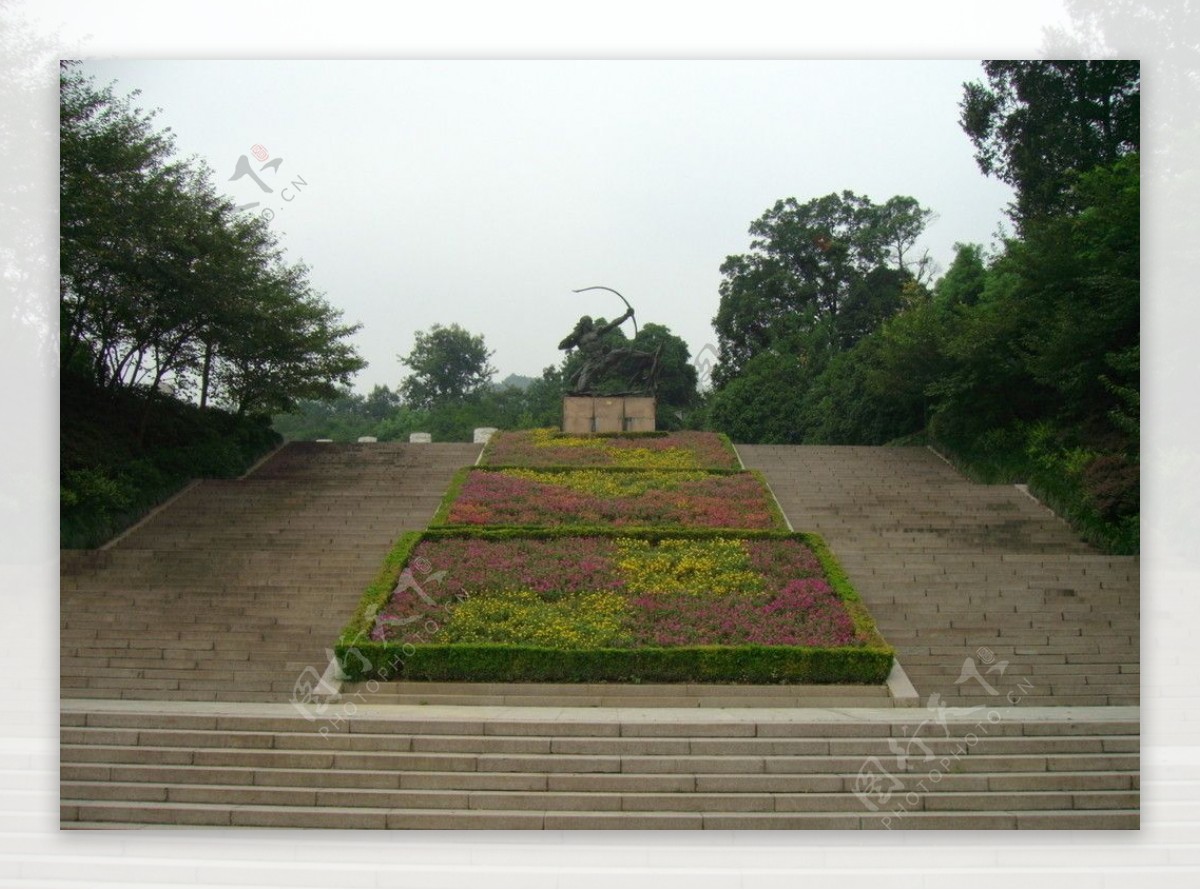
[[483, 192]]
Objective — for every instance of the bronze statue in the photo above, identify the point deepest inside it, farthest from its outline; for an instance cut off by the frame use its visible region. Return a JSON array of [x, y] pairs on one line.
[[599, 357]]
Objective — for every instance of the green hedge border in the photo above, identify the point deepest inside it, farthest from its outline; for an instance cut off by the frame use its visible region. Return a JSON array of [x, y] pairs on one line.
[[459, 479], [360, 658], [726, 443]]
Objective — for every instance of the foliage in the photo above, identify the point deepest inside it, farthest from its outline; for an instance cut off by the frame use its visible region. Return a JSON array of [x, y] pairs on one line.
[[804, 613], [163, 283], [834, 264], [449, 364], [1024, 364], [714, 566], [111, 473], [765, 402], [514, 663], [591, 620], [382, 414], [1038, 124]]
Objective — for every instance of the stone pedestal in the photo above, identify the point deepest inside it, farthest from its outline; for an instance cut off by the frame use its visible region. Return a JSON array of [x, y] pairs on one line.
[[608, 414], [420, 438]]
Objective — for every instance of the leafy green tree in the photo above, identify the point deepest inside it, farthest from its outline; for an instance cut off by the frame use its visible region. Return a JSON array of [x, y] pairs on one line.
[[677, 377], [381, 402], [163, 282], [1037, 124], [870, 300], [764, 403], [1080, 283], [812, 264], [290, 344], [964, 281], [543, 399], [448, 364], [116, 184]]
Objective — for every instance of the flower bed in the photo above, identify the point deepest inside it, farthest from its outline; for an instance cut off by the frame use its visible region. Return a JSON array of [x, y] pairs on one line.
[[647, 451], [610, 497], [560, 606]]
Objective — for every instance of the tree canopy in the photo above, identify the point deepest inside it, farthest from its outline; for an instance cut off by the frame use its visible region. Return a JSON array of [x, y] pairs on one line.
[[818, 275], [448, 364], [1036, 124], [163, 282], [1022, 361]]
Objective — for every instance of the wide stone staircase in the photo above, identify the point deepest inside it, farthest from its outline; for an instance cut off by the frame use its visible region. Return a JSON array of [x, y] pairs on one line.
[[237, 586], [518, 768], [185, 642], [983, 591]]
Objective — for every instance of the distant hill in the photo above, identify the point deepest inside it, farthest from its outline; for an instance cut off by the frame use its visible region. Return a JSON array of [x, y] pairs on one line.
[[515, 381]]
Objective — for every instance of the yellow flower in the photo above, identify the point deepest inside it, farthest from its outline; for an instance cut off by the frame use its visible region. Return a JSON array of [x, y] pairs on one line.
[[583, 621], [719, 566]]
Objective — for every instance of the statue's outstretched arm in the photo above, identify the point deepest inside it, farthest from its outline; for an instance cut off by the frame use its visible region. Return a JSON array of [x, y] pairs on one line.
[[615, 324]]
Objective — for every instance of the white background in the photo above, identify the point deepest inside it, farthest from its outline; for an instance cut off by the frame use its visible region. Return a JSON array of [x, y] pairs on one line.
[[34, 853]]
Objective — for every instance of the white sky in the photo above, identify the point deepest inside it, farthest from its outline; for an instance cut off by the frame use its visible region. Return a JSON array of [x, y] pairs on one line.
[[482, 192]]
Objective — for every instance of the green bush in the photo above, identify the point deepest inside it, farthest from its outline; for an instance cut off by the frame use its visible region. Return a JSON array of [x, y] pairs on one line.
[[1096, 492], [694, 664], [122, 454]]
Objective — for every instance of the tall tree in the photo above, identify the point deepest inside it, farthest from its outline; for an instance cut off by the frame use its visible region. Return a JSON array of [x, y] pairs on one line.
[[448, 364], [289, 344], [161, 280], [807, 263], [1035, 124]]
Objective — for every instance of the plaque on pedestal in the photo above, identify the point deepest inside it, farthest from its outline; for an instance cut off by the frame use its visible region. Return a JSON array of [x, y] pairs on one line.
[[608, 414]]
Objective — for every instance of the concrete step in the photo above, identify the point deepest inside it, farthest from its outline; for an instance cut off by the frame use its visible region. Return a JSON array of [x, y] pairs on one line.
[[617, 695], [237, 586], [950, 569], [753, 768]]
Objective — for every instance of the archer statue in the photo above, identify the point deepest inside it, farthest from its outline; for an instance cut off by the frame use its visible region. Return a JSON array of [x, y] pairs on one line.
[[599, 357]]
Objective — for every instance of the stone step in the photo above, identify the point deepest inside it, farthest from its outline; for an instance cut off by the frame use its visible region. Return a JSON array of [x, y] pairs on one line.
[[486, 761], [200, 814], [243, 583], [953, 571], [949, 568], [683, 745], [586, 801], [616, 695]]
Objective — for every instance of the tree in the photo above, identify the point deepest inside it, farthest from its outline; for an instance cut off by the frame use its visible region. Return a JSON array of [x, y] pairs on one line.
[[162, 281], [1035, 124], [677, 377], [765, 402], [381, 403], [806, 263], [1080, 280], [964, 281], [289, 345], [449, 364]]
